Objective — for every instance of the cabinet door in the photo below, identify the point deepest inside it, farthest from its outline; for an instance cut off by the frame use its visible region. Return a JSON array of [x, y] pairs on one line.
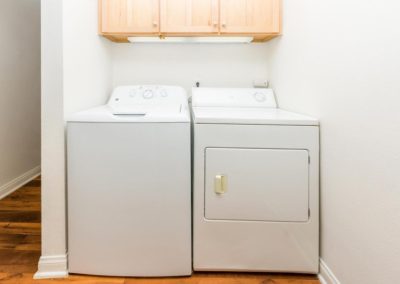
[[189, 16], [250, 16], [129, 16]]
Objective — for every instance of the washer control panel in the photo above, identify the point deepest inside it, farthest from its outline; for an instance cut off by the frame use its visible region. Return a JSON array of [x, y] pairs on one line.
[[239, 97], [140, 98]]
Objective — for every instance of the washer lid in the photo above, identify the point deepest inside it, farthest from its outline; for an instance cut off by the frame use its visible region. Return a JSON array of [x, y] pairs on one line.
[[140, 104], [267, 116], [140, 100], [104, 114]]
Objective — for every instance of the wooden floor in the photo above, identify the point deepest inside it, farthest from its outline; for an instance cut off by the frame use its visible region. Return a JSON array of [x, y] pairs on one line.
[[20, 251]]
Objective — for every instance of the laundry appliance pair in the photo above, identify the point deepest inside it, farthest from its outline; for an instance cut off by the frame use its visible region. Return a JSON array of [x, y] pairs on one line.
[[131, 211]]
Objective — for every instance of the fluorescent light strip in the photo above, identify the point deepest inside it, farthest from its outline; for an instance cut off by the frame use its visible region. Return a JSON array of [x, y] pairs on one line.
[[216, 39]]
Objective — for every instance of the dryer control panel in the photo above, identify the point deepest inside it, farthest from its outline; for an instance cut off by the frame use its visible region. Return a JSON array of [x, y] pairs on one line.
[[238, 97], [142, 99]]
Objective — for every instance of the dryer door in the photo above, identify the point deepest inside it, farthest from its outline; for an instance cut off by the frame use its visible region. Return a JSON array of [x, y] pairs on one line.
[[257, 184]]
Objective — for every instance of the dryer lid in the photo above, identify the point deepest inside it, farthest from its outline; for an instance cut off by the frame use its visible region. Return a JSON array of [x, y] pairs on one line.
[[265, 116], [233, 97], [242, 106]]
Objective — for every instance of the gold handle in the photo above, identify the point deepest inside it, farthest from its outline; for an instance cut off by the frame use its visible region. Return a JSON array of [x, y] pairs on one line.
[[220, 184]]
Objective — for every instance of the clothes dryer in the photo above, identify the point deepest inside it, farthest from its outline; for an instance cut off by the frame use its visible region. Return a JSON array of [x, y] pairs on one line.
[[256, 184]]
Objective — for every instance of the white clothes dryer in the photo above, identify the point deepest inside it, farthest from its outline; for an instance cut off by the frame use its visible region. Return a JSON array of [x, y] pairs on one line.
[[129, 185], [256, 184]]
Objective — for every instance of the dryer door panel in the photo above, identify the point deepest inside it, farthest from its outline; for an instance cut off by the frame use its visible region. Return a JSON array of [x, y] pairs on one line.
[[256, 184]]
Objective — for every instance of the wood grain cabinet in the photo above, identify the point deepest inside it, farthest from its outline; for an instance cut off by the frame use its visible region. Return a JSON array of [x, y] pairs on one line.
[[129, 16], [120, 19], [250, 16], [189, 16]]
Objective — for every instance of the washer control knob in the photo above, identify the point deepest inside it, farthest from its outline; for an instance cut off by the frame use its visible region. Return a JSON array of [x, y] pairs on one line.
[[132, 93], [163, 93], [260, 97], [148, 94]]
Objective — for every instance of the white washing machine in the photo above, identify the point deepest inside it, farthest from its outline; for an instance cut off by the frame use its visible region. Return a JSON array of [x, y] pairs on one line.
[[256, 184], [129, 185]]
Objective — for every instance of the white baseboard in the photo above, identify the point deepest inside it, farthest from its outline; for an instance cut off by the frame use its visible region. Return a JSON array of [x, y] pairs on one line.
[[326, 275], [54, 266], [18, 182]]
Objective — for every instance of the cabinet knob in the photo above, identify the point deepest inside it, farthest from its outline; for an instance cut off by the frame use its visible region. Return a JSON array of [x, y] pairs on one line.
[[223, 25], [155, 24]]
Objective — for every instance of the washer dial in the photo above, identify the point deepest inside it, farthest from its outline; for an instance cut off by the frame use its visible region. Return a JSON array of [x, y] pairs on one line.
[[260, 97], [163, 93], [148, 94]]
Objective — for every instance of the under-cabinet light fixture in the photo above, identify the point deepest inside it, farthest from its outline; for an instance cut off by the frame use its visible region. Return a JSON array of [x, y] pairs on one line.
[[219, 39]]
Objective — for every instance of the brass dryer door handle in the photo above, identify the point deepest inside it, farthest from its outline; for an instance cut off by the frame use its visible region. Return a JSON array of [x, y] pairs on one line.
[[220, 184]]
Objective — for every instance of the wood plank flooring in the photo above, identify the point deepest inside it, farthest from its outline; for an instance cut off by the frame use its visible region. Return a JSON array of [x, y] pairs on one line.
[[20, 251]]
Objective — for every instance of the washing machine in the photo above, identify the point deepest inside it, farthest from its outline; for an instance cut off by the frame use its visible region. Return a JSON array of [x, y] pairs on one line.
[[256, 184], [129, 185]]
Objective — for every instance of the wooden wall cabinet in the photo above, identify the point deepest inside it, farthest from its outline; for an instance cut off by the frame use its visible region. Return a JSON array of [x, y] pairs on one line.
[[129, 16], [189, 16], [119, 19], [250, 16]]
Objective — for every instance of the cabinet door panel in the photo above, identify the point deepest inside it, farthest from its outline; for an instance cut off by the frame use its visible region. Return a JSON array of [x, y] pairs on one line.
[[250, 16], [189, 16], [129, 16]]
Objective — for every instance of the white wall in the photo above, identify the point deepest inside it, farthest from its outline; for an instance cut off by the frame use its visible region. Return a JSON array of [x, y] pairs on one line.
[[53, 146], [226, 65], [76, 74], [19, 89], [87, 57], [339, 60]]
